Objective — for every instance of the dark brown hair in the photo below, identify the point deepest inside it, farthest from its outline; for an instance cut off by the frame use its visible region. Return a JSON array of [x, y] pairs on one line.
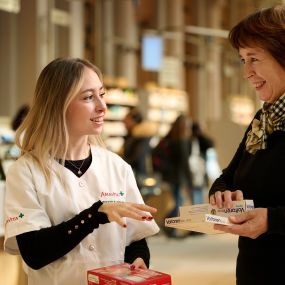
[[264, 29], [180, 128]]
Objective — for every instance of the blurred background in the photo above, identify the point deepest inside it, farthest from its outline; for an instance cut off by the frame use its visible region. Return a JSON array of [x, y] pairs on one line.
[[163, 57]]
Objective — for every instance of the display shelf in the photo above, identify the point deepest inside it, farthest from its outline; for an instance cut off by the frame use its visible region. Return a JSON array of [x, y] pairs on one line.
[[116, 112], [168, 99], [119, 102], [114, 144], [159, 105], [123, 97], [114, 128], [162, 115], [163, 106]]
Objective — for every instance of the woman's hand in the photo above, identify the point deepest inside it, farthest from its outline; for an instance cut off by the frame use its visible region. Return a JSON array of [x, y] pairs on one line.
[[225, 199], [248, 224], [116, 211], [138, 264]]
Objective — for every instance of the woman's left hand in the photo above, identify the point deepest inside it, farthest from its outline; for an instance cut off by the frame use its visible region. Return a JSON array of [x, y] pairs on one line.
[[116, 211], [248, 224], [138, 264]]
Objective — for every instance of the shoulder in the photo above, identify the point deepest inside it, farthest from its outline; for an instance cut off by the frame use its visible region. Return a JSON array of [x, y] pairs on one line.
[[24, 162], [23, 170]]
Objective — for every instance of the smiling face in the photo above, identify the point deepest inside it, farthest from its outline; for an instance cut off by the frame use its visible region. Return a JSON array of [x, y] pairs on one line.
[[263, 72], [85, 114]]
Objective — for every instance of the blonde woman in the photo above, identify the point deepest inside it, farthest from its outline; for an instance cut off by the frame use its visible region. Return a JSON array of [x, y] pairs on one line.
[[71, 205]]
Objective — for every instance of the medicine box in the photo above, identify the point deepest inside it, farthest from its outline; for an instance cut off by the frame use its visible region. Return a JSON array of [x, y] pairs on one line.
[[202, 217], [122, 274]]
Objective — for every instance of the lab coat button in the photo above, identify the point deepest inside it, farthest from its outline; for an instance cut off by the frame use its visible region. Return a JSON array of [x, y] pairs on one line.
[[81, 184], [91, 247]]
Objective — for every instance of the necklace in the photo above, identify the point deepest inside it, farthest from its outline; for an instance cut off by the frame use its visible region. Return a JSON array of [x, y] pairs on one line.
[[78, 168]]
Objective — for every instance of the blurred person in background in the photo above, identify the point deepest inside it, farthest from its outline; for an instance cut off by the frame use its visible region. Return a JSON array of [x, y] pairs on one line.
[[8, 137], [136, 148], [170, 159], [20, 116], [72, 205], [257, 169], [13, 152], [200, 143]]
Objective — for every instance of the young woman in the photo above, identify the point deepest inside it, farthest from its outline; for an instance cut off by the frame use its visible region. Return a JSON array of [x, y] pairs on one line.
[[71, 205]]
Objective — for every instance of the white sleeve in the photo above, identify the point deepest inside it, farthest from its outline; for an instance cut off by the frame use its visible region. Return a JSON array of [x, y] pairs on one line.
[[23, 211], [137, 230]]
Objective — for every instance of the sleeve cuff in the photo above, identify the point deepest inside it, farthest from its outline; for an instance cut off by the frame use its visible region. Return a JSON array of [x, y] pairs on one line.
[[101, 218]]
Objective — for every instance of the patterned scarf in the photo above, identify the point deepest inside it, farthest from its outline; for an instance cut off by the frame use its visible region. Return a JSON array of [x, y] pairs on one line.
[[272, 119]]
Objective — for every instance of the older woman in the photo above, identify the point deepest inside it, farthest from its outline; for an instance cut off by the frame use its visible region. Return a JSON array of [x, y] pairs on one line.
[[258, 166]]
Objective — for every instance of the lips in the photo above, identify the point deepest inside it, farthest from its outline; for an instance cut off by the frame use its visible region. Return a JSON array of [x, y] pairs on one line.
[[258, 85], [97, 120]]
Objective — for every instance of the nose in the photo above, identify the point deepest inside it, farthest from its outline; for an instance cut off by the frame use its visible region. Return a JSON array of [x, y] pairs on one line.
[[248, 71], [101, 105]]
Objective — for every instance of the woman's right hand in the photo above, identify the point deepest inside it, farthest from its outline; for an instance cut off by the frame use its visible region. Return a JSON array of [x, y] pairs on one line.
[[116, 211], [225, 199]]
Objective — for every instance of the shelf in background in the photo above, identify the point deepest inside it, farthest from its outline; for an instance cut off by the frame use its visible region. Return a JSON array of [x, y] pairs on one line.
[[125, 97]]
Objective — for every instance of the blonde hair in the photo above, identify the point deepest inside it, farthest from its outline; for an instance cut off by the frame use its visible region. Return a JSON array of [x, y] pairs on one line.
[[43, 134]]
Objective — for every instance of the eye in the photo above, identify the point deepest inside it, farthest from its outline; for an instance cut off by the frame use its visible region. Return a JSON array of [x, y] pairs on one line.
[[102, 94], [253, 59], [88, 97]]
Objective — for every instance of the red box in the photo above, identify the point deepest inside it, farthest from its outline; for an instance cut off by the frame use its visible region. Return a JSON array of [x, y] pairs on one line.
[[121, 274]]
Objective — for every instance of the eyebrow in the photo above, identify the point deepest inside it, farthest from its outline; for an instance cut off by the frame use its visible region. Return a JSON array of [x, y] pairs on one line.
[[93, 90], [249, 54]]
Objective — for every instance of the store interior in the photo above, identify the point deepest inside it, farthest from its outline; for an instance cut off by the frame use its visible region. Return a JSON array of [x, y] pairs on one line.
[[165, 57], [195, 69]]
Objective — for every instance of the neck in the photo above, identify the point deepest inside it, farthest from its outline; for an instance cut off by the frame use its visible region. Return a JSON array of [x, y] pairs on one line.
[[78, 150]]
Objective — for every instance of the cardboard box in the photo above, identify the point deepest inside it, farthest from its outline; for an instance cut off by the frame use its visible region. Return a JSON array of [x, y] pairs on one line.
[[202, 217], [121, 274], [238, 207]]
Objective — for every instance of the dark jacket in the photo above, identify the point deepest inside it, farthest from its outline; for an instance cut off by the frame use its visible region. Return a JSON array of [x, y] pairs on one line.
[[170, 159], [136, 149], [261, 178]]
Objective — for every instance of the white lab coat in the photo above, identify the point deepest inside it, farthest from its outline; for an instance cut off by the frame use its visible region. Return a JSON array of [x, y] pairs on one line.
[[31, 205]]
